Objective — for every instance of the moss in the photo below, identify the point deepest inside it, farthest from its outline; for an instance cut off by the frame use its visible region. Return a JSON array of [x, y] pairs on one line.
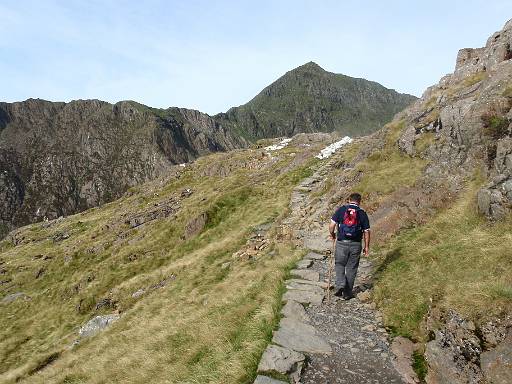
[[495, 125], [419, 364]]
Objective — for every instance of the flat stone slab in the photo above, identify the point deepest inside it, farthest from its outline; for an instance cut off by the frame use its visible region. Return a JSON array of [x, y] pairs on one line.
[[96, 324], [305, 263], [300, 337], [267, 380], [321, 284], [281, 360], [304, 297], [15, 296], [314, 256], [306, 274], [294, 310], [305, 287]]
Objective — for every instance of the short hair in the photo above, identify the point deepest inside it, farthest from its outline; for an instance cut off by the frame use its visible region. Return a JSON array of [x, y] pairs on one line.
[[355, 197]]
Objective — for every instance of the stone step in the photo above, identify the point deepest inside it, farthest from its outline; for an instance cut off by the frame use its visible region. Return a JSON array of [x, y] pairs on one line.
[[276, 359], [300, 337], [267, 380], [306, 274], [304, 264], [320, 284], [294, 310], [303, 297], [314, 256]]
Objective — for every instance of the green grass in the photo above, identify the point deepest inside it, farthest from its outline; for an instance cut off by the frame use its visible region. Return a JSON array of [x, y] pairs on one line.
[[419, 364], [458, 260], [208, 324], [474, 78]]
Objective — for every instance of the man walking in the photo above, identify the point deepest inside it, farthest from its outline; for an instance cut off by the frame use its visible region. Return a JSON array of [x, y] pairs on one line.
[[352, 226]]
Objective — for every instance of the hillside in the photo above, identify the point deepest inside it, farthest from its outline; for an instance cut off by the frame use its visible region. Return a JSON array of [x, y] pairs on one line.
[[190, 268], [57, 159], [193, 263], [310, 99]]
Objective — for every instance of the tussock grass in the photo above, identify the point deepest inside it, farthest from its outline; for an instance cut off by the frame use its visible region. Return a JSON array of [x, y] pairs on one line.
[[459, 260], [386, 170], [209, 323]]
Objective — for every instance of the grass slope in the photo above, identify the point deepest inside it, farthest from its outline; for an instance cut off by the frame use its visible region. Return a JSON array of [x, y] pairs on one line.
[[208, 324]]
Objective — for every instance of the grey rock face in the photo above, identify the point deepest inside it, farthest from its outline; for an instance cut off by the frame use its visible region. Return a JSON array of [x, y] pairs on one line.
[[454, 355], [57, 159], [497, 363], [97, 324]]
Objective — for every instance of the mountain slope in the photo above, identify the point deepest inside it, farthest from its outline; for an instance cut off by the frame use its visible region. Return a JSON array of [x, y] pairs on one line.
[[192, 262], [310, 99], [57, 159]]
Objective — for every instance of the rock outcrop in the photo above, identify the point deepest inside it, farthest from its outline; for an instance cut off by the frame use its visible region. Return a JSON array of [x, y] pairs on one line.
[[57, 159], [467, 117], [310, 99]]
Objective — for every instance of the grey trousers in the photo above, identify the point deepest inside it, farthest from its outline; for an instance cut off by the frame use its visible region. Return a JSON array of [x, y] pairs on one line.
[[346, 259]]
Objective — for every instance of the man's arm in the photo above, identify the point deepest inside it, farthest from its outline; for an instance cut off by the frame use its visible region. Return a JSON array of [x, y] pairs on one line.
[[332, 230], [366, 235]]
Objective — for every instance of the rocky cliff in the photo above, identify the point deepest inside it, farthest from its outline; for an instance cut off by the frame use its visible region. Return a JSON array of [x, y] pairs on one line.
[[58, 158], [310, 99]]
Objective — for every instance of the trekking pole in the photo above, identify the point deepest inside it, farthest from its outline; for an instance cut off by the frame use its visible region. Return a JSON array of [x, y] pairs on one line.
[[329, 272]]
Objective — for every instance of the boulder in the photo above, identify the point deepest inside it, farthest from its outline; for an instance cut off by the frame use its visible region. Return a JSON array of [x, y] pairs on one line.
[[97, 324]]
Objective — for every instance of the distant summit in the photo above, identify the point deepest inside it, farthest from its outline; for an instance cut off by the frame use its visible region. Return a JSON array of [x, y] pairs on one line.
[[310, 99]]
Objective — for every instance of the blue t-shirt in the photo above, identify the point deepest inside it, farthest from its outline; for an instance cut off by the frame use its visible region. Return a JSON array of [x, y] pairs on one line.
[[362, 218]]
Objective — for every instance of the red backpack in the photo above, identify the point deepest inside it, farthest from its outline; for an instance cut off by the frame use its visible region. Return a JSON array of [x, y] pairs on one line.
[[350, 227]]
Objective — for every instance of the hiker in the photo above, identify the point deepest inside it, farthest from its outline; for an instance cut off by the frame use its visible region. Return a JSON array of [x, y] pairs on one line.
[[352, 225]]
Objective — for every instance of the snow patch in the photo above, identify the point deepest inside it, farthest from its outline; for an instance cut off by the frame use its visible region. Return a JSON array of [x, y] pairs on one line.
[[330, 149], [283, 143]]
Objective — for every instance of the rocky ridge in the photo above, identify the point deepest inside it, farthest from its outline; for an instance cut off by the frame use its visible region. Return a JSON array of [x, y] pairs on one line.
[[57, 159]]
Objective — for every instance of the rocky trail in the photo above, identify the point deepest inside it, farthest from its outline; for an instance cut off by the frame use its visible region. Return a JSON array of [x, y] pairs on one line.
[[321, 340]]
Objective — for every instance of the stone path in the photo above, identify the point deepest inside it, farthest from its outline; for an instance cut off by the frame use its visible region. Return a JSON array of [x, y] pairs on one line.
[[325, 342]]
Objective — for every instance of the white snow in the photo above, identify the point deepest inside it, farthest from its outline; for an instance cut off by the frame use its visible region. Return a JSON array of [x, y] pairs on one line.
[[330, 149], [283, 143]]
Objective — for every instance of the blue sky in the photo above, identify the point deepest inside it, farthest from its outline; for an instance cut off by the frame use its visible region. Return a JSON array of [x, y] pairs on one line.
[[211, 55]]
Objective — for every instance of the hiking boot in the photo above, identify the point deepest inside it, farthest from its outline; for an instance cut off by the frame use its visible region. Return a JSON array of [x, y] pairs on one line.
[[338, 292], [347, 297]]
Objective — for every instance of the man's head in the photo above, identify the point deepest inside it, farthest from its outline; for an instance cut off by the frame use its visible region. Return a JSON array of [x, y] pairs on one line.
[[354, 198]]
